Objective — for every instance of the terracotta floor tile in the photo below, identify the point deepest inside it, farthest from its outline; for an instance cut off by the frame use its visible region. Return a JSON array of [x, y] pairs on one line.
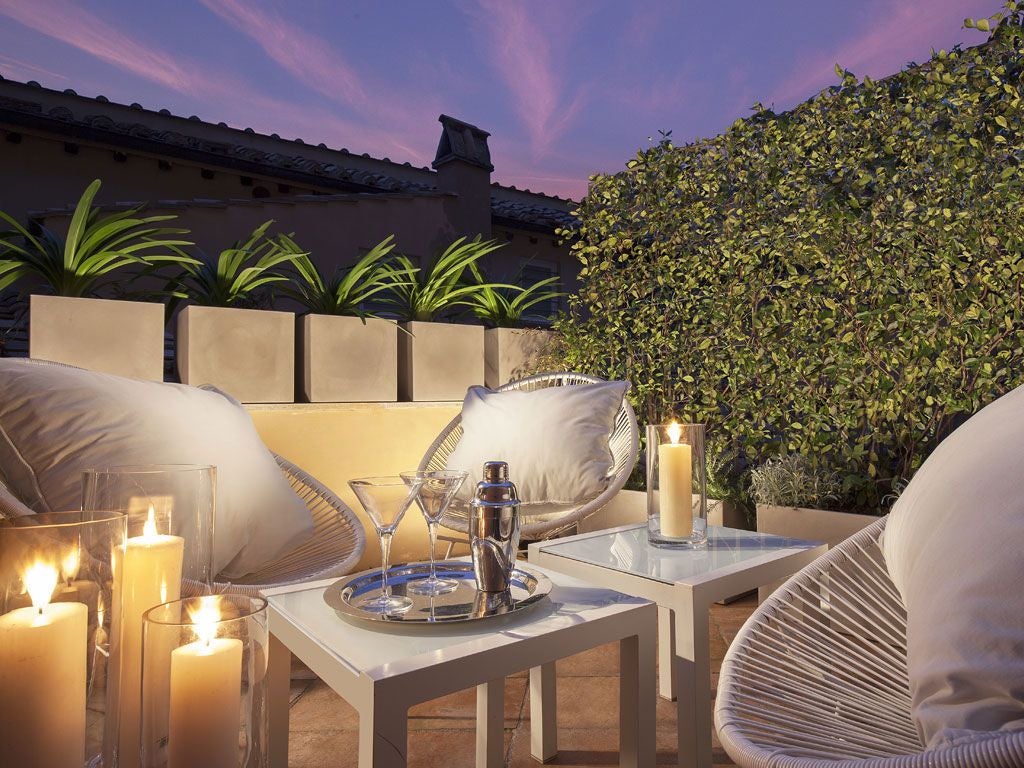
[[597, 662], [321, 709], [458, 710], [586, 747], [445, 748], [323, 749]]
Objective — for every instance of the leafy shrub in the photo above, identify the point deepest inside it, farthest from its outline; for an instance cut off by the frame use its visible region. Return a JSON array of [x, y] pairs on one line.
[[791, 481], [844, 281]]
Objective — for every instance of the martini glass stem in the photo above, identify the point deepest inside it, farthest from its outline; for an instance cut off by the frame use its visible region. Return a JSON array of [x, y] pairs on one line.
[[432, 529], [385, 560]]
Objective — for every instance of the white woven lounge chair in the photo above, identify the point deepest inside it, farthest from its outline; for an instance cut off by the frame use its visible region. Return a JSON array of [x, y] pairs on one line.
[[334, 548], [624, 443], [817, 677]]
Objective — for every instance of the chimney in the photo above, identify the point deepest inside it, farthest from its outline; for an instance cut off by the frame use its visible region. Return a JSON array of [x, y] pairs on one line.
[[463, 165]]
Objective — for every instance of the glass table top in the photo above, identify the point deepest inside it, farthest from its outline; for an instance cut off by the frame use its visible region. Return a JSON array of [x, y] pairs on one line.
[[628, 550], [363, 646]]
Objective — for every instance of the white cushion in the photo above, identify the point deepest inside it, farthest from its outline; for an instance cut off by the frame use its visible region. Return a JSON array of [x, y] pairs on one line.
[[555, 439], [56, 421], [953, 547]]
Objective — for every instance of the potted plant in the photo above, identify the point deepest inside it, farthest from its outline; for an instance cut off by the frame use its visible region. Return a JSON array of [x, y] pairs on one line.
[[67, 323], [509, 347], [222, 337], [439, 361], [348, 353], [793, 497]]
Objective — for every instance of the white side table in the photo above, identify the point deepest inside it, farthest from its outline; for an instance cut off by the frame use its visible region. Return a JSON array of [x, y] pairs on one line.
[[384, 673], [684, 583]]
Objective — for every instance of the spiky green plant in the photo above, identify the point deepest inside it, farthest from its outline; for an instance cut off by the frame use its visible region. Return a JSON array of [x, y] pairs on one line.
[[507, 307], [373, 277], [96, 246], [442, 285], [235, 275]]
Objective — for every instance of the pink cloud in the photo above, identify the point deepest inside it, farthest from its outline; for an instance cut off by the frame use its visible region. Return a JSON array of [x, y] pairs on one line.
[[71, 24], [302, 54], [522, 51], [879, 50], [22, 70], [407, 117]]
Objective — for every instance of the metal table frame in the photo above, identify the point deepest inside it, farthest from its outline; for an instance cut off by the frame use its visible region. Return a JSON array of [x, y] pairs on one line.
[[383, 694], [683, 627]]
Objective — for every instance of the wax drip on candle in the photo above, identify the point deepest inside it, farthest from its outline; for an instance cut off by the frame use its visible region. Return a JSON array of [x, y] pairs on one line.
[[40, 581], [675, 431]]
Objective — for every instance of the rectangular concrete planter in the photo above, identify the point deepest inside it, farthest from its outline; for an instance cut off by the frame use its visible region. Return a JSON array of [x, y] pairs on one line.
[[439, 361], [346, 360], [811, 524], [248, 353], [509, 352], [120, 337]]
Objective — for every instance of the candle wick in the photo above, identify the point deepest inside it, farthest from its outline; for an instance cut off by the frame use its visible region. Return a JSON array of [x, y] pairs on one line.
[[40, 610]]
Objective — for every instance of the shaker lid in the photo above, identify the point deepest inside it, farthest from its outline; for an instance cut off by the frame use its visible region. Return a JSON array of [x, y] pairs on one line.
[[495, 472]]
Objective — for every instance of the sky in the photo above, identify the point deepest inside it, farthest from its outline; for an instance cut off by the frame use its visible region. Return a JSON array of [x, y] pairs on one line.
[[566, 88]]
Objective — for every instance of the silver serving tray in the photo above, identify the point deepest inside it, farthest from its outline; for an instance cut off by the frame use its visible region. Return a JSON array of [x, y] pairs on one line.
[[464, 603]]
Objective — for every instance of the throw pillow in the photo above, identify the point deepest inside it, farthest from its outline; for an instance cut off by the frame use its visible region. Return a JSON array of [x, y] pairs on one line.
[[56, 421], [555, 440], [953, 547]]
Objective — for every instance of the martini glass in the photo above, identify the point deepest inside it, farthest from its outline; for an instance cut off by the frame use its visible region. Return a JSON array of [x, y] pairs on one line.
[[433, 491], [385, 500]]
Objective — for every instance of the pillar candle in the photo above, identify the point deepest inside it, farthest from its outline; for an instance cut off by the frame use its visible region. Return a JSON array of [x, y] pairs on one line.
[[675, 486], [42, 682], [151, 574], [206, 695]]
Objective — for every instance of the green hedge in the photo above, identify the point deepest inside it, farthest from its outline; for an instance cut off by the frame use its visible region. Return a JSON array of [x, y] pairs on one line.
[[843, 280]]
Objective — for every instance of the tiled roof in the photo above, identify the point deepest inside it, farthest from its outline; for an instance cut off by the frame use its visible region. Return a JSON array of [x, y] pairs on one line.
[[514, 211], [236, 152]]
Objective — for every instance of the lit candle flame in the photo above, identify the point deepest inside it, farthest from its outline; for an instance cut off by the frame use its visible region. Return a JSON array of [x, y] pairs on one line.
[[40, 581], [71, 564], [205, 618], [675, 431], [149, 529]]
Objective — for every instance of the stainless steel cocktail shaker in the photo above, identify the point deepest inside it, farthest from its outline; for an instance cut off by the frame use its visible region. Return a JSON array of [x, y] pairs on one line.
[[494, 528]]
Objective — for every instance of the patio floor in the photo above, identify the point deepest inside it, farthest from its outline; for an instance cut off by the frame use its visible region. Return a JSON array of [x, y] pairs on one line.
[[324, 729]]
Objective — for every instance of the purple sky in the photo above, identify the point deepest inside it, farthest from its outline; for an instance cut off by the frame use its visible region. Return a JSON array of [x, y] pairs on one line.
[[567, 88]]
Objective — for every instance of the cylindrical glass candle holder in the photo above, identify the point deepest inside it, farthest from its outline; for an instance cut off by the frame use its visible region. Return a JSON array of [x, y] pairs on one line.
[[204, 683], [59, 591], [677, 504], [168, 552]]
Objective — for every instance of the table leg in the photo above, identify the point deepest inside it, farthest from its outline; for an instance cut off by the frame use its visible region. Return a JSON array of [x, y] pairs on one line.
[[490, 724], [693, 681], [383, 733], [543, 712], [666, 653], [279, 680], [637, 701]]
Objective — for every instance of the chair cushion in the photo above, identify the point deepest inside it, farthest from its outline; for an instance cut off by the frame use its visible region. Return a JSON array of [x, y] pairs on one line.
[[56, 421], [555, 439], [953, 547]]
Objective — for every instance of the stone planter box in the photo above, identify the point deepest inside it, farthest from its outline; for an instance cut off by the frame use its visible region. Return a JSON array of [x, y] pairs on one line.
[[248, 353], [439, 361], [508, 352], [125, 338], [811, 524], [346, 360]]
